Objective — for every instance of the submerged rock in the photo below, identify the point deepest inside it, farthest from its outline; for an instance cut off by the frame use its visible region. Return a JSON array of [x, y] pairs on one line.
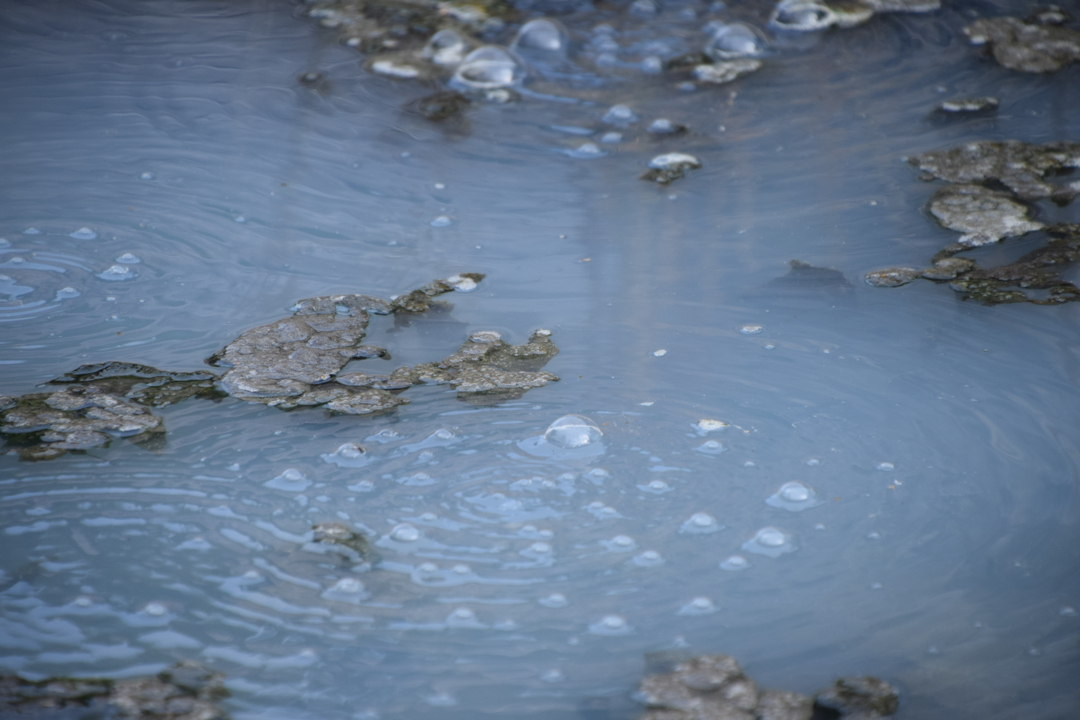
[[725, 71], [293, 362], [864, 698], [1033, 48], [812, 15], [968, 106], [343, 538], [441, 105], [984, 216], [1022, 167], [186, 691], [667, 168]]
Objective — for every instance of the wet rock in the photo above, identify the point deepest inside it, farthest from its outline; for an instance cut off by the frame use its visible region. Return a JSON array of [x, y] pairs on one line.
[[860, 698], [486, 365], [441, 105], [79, 417], [489, 68], [1033, 48], [665, 128], [667, 168], [186, 691], [803, 16], [419, 300], [341, 536], [1048, 15], [714, 687], [892, 277], [804, 277], [969, 106], [1022, 167], [724, 72], [143, 384], [984, 216], [1039, 270], [948, 268]]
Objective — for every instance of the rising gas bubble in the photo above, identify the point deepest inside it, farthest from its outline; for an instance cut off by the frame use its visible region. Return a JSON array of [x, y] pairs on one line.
[[751, 329], [66, 293], [554, 600], [648, 559], [698, 606], [735, 41], [84, 233], [404, 533], [794, 496], [770, 541], [348, 455], [541, 40], [735, 563], [801, 15], [464, 618], [488, 68], [572, 431], [446, 48], [620, 115], [701, 524], [586, 151], [441, 221], [292, 480], [345, 590], [620, 543], [128, 259], [116, 272], [886, 466], [657, 487], [712, 447], [708, 425], [611, 625]]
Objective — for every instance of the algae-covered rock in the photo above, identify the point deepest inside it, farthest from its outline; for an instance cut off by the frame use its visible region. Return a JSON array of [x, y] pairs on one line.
[[1022, 167], [186, 691], [984, 216], [725, 71], [860, 698], [342, 538], [892, 277], [669, 167], [1033, 48], [486, 365]]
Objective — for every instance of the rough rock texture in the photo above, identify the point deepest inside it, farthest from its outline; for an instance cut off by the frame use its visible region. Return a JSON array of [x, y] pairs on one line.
[[892, 277], [860, 698], [485, 365], [1033, 48], [186, 691], [667, 168], [341, 536], [1019, 166], [984, 216], [725, 71]]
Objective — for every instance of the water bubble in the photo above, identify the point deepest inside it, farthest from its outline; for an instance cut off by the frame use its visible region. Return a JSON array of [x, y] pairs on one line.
[[419, 479], [619, 543], [886, 466], [441, 221], [648, 559], [735, 563], [701, 523], [348, 455], [586, 151], [539, 549], [31, 231], [813, 462], [801, 15], [362, 486], [770, 541], [611, 138], [116, 272], [489, 67], [128, 259], [751, 329], [146, 176], [674, 161], [707, 425], [698, 606], [67, 293], [84, 233], [794, 496], [645, 8], [292, 479], [552, 675], [652, 64], [441, 700], [601, 511], [663, 126], [620, 115], [541, 40], [461, 569], [83, 601], [734, 41], [446, 47], [611, 625], [404, 533], [463, 618], [1067, 612], [712, 447], [554, 600], [657, 487], [155, 609], [384, 436], [572, 431]]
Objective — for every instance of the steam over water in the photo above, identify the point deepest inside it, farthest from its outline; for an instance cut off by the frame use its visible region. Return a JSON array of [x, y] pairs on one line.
[[817, 478]]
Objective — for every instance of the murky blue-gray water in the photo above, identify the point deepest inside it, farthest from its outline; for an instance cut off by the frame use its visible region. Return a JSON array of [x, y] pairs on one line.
[[939, 436]]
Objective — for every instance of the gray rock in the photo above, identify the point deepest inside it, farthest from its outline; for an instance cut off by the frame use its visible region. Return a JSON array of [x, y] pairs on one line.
[[984, 216], [1022, 167], [341, 536], [784, 705], [724, 72], [948, 268], [1026, 47], [860, 698], [892, 277], [969, 105], [669, 167], [706, 687]]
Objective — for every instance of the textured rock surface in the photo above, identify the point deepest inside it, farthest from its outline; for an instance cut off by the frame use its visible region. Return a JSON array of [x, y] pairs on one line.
[[1032, 48]]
